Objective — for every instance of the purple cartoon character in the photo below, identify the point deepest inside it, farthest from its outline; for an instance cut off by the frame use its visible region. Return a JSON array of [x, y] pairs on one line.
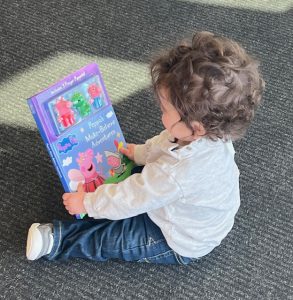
[[65, 113], [87, 173], [95, 93]]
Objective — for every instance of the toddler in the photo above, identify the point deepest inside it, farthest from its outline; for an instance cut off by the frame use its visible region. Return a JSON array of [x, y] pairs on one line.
[[182, 201]]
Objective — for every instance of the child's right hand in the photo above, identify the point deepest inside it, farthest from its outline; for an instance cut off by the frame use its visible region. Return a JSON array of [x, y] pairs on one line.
[[128, 151], [73, 202]]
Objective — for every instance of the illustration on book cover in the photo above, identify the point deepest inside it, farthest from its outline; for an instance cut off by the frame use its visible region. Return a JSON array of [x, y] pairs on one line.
[[82, 134]]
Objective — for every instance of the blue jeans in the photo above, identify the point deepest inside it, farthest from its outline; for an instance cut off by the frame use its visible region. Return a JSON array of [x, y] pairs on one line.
[[133, 239]]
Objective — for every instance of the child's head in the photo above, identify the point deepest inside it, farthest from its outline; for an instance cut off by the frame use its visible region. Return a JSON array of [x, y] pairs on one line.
[[212, 83]]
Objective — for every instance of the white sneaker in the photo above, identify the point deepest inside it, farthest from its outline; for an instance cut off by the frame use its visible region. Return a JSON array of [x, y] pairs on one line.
[[39, 240]]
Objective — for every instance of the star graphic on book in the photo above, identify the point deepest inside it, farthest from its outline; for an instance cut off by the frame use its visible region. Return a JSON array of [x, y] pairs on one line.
[[81, 129], [99, 158], [118, 134]]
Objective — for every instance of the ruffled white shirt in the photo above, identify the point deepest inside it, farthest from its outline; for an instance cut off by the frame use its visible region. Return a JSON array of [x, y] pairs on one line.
[[190, 192]]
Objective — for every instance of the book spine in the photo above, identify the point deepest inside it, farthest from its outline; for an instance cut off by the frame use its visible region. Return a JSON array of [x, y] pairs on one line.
[[47, 143]]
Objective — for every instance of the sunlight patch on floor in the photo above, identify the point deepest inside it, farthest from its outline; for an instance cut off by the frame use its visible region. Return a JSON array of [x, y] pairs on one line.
[[263, 5], [122, 78]]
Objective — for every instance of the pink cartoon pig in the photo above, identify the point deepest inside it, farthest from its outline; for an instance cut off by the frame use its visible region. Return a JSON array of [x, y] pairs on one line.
[[88, 173], [65, 113]]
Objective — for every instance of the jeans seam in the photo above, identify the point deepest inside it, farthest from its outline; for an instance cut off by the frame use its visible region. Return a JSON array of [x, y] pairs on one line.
[[152, 241], [155, 256], [147, 244]]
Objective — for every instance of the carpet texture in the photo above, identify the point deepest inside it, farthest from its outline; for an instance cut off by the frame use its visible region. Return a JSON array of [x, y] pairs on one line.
[[41, 42]]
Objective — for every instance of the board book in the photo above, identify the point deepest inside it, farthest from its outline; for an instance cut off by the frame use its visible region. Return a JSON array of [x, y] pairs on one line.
[[81, 132]]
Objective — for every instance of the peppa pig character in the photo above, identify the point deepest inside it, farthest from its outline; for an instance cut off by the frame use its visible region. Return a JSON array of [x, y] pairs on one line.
[[95, 93], [80, 103], [87, 173], [65, 113]]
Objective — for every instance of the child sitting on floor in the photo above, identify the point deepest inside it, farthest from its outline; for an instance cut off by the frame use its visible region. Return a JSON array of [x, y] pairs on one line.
[[183, 202]]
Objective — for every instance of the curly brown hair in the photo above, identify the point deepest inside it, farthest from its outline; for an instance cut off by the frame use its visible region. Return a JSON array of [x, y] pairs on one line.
[[213, 81]]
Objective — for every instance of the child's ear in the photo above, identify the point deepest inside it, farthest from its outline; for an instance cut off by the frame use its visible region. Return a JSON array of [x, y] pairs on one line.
[[198, 129]]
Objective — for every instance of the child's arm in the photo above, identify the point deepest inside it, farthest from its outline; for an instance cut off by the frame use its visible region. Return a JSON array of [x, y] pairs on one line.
[[74, 202], [138, 153], [137, 194]]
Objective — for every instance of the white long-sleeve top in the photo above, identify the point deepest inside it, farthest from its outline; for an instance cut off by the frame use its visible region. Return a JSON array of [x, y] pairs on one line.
[[190, 192]]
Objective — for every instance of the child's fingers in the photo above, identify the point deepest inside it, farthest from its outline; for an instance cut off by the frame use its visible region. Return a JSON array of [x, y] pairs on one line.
[[124, 151], [66, 196], [68, 207], [67, 201]]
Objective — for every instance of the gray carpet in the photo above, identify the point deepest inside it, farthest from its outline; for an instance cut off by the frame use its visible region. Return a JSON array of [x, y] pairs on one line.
[[41, 41]]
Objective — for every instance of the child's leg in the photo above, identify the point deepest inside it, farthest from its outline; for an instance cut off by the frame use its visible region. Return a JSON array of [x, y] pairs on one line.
[[133, 239]]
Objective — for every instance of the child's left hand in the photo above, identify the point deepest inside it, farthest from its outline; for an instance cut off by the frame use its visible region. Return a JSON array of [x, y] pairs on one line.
[[73, 202]]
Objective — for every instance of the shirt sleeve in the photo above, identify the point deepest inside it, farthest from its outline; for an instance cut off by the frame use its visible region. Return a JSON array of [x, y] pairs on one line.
[[137, 194], [141, 151]]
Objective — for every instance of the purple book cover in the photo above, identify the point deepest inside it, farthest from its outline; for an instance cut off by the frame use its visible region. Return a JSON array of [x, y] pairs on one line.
[[79, 127]]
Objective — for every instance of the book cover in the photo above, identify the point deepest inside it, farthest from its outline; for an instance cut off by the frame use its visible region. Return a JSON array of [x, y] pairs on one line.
[[78, 124]]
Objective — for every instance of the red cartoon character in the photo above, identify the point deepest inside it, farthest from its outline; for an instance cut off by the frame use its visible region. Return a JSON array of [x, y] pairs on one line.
[[65, 113]]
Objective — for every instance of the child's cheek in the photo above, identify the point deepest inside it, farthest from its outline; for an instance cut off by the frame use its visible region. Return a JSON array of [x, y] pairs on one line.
[[166, 122]]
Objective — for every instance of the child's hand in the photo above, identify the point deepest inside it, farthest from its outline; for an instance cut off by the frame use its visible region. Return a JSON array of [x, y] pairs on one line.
[[73, 202], [128, 151]]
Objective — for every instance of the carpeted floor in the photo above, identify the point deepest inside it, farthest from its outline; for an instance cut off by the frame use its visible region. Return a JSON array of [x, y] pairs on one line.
[[42, 41]]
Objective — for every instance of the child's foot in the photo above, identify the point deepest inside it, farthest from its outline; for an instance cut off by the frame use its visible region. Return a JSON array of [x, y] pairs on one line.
[[39, 240]]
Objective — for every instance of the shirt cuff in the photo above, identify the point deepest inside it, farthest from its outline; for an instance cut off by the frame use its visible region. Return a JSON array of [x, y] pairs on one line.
[[89, 205], [140, 153]]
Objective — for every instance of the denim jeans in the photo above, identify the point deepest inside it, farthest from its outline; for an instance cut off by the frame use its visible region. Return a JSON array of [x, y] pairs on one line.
[[133, 239]]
